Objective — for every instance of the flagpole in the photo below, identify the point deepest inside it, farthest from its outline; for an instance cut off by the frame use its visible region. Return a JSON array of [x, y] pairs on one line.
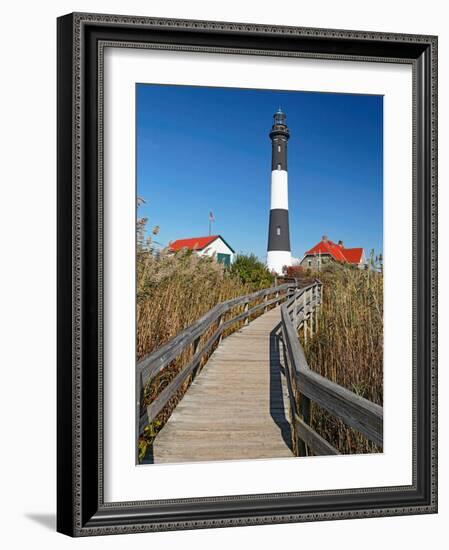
[[211, 219]]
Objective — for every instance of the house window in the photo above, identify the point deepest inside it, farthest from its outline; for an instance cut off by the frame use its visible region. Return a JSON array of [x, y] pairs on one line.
[[309, 263], [278, 230], [224, 259], [279, 166]]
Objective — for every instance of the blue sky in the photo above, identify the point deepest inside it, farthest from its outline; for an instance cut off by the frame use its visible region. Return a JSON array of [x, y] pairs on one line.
[[201, 149]]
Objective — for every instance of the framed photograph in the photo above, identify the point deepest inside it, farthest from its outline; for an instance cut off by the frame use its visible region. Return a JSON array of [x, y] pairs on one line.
[[247, 278]]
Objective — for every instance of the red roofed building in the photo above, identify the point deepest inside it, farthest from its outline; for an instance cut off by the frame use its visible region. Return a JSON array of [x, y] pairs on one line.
[[326, 251], [213, 245]]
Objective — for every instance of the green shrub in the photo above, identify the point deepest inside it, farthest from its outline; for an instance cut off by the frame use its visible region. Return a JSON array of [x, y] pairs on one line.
[[251, 271]]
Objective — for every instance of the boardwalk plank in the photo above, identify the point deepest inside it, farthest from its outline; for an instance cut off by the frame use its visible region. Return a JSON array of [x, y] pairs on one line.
[[237, 406]]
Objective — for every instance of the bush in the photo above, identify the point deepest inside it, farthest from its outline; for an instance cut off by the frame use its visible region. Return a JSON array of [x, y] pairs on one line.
[[303, 275], [251, 271], [296, 271]]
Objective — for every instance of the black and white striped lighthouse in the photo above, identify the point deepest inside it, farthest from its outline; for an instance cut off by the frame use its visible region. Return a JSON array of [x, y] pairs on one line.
[[279, 253]]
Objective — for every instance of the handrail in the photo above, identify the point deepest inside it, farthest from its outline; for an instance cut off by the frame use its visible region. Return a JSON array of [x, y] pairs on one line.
[[153, 363], [305, 385]]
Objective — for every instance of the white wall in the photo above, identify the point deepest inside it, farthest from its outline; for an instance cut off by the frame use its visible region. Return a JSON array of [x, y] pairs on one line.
[[279, 189], [217, 247], [27, 304]]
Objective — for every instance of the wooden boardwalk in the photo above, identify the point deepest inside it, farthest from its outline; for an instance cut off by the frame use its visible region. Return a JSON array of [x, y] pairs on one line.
[[253, 396], [237, 407]]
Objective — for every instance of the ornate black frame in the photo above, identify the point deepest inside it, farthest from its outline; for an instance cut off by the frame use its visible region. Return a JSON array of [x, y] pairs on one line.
[[81, 508]]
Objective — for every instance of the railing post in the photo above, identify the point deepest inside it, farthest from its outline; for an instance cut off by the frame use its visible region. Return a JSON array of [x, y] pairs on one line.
[[312, 312], [305, 413], [295, 311], [246, 311], [277, 296], [141, 410], [304, 315], [292, 395], [296, 442], [196, 346], [265, 309], [318, 304], [220, 322]]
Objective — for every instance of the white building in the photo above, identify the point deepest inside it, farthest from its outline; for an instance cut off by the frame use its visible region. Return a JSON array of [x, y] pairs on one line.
[[213, 245]]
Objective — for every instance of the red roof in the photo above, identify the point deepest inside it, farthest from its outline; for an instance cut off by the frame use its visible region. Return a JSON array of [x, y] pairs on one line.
[[337, 251], [353, 255], [194, 243]]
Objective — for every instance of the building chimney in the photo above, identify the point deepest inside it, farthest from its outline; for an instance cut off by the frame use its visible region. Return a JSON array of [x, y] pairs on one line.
[[340, 243], [324, 238]]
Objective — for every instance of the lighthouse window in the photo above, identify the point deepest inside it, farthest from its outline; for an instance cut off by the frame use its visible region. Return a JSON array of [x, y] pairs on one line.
[[278, 230], [279, 148], [279, 166]]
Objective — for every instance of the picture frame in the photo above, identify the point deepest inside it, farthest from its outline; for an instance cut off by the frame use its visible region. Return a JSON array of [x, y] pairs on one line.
[[81, 507]]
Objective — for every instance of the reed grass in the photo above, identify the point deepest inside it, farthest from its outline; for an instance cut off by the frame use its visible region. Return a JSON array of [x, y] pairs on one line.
[[173, 291], [347, 347]]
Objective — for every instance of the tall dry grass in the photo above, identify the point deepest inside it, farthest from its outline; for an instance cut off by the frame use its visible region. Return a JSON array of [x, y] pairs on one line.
[[348, 347], [173, 291]]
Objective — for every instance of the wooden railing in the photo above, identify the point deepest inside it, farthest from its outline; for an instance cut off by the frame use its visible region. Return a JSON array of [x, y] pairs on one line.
[[197, 341], [304, 385]]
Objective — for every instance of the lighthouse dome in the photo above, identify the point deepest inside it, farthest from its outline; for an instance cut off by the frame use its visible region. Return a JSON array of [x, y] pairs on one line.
[[279, 127], [279, 117]]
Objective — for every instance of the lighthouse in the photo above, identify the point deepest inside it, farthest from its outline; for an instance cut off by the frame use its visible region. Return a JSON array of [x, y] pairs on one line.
[[279, 253]]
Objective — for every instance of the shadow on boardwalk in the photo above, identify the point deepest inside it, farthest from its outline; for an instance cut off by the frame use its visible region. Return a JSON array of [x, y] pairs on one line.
[[277, 404]]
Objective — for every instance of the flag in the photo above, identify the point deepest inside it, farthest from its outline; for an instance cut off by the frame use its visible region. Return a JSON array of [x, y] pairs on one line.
[[211, 216]]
